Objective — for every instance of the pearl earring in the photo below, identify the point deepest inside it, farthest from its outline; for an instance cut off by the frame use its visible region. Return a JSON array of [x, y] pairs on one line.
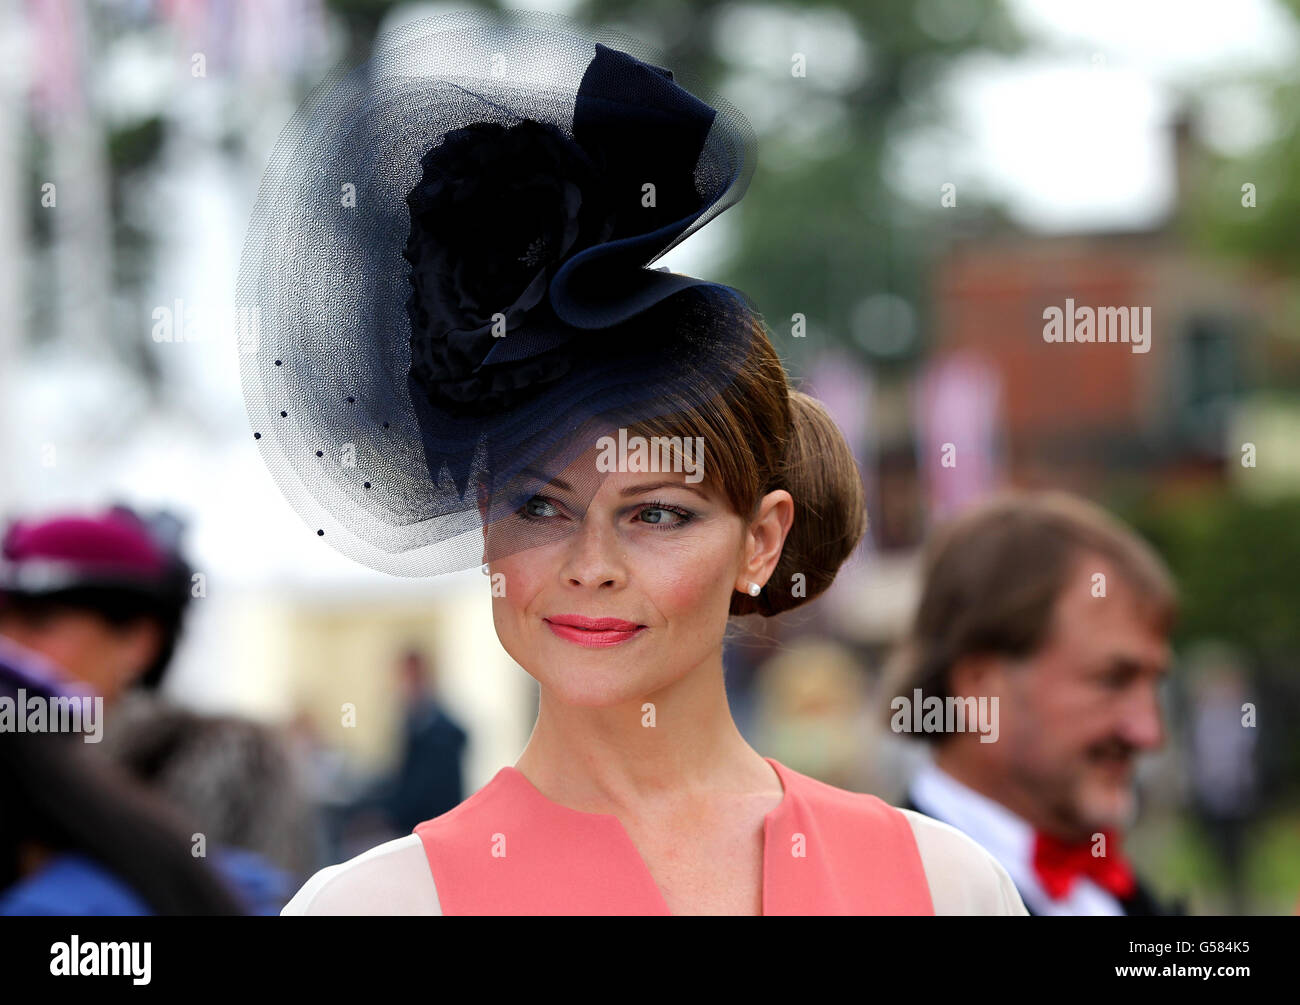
[[755, 589]]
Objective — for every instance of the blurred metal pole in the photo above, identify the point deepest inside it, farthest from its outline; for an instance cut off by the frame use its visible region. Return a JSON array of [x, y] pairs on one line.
[[12, 93], [83, 251]]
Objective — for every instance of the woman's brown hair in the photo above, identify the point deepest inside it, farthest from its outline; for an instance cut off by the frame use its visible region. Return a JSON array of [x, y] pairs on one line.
[[761, 435]]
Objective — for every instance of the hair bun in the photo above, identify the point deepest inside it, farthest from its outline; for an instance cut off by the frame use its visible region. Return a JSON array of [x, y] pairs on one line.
[[830, 511]]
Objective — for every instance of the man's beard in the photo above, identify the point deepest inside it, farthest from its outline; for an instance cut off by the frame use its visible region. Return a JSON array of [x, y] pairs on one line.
[[1084, 799]]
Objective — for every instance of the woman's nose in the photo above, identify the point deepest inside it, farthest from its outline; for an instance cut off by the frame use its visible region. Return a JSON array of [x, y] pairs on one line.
[[593, 554]]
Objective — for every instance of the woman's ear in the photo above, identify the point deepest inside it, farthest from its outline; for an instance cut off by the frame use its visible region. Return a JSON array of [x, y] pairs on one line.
[[765, 538]]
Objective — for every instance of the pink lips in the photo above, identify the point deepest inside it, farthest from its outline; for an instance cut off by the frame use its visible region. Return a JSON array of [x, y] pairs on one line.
[[593, 632]]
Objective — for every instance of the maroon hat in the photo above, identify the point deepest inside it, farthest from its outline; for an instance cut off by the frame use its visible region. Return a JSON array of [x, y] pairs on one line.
[[119, 564], [113, 549]]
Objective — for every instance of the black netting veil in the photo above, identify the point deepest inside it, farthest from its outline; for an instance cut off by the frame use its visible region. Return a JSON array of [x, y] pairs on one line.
[[395, 422]]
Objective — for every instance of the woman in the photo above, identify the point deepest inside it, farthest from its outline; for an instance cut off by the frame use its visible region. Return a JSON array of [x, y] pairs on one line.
[[617, 445]]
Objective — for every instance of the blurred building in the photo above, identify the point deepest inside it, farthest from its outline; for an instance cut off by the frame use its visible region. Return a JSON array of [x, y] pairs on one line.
[[990, 402], [1088, 416]]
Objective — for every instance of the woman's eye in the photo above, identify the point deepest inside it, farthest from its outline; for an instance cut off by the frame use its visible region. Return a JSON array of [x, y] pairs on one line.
[[661, 516], [537, 506]]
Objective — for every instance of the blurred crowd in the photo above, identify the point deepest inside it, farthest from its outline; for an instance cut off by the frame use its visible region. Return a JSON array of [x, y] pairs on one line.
[[138, 805], [144, 806]]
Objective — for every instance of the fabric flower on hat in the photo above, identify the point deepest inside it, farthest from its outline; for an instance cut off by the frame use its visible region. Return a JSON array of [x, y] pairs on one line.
[[496, 212]]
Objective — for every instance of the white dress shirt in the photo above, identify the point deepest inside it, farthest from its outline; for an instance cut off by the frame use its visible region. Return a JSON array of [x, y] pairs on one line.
[[1007, 837]]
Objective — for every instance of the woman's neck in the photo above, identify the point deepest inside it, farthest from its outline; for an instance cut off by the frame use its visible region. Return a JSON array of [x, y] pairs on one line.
[[646, 753]]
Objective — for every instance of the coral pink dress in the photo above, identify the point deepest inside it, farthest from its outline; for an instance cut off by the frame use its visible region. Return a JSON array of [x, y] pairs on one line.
[[508, 849]]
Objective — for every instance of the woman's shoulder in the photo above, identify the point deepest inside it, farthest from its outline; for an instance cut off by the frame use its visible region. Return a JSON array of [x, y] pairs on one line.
[[963, 877], [391, 878]]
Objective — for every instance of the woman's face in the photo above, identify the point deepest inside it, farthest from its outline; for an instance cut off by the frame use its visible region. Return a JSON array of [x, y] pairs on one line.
[[659, 554]]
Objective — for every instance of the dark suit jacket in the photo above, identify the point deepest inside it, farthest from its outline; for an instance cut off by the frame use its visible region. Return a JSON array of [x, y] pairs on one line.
[[428, 779], [1141, 904]]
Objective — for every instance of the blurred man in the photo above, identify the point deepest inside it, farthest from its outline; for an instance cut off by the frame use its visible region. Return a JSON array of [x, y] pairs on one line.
[[1047, 604], [100, 597], [428, 779], [1225, 786]]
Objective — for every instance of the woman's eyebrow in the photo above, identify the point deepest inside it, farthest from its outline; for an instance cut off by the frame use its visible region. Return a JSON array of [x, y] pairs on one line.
[[632, 490], [559, 483]]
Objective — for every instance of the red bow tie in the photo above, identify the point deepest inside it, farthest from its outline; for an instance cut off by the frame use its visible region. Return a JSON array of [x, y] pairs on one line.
[[1058, 863]]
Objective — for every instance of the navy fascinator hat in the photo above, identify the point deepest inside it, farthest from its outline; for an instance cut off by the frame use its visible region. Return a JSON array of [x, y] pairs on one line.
[[447, 283]]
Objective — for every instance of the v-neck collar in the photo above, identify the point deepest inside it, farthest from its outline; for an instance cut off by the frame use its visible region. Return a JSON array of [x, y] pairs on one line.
[[519, 781], [510, 850]]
